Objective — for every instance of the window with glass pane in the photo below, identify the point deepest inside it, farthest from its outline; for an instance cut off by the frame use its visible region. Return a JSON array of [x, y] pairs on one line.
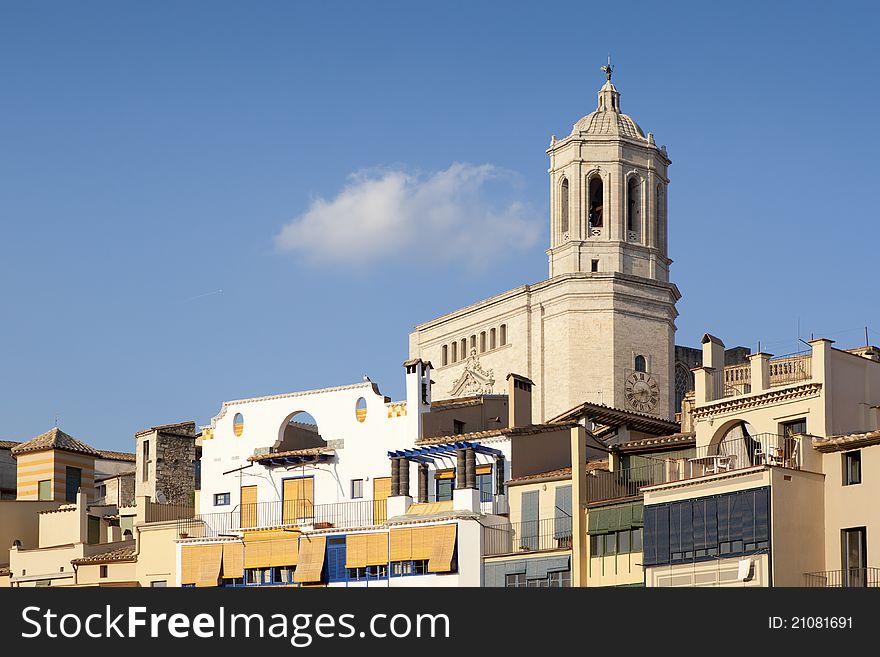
[[623, 542], [73, 479], [357, 488], [484, 485], [597, 545], [444, 489], [610, 543], [854, 557], [516, 580], [45, 490], [636, 543], [559, 579], [852, 468]]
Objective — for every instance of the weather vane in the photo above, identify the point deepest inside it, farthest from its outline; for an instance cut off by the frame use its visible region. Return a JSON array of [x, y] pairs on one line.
[[608, 69]]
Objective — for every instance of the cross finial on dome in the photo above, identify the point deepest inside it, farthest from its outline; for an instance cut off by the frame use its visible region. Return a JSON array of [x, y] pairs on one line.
[[608, 69]]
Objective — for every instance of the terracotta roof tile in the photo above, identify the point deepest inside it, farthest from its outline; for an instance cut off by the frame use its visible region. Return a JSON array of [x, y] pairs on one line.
[[54, 438], [561, 473], [847, 441], [311, 451], [125, 553], [117, 456], [8, 444], [528, 430]]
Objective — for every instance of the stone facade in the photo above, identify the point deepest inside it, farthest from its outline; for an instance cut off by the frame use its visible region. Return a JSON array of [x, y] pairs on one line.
[[166, 463], [604, 321]]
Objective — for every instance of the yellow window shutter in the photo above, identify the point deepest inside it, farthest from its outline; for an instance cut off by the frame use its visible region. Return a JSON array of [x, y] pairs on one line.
[[233, 560], [356, 550], [421, 543], [257, 552], [442, 548], [377, 549], [311, 559], [283, 550], [208, 567], [484, 469], [188, 561], [401, 544]]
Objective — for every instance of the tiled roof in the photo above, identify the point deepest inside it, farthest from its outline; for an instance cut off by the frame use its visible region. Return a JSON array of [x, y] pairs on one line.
[[113, 475], [673, 440], [8, 444], [187, 429], [311, 451], [117, 456], [119, 554], [4, 570], [471, 400], [55, 438], [561, 473], [615, 417], [848, 441], [527, 430]]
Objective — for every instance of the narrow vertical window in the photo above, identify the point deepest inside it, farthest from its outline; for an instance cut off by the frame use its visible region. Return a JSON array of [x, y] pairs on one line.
[[454, 351], [661, 215], [563, 201], [632, 205], [594, 266], [502, 339], [473, 342], [464, 351], [482, 341], [145, 474], [491, 338], [445, 355], [641, 364], [595, 202]]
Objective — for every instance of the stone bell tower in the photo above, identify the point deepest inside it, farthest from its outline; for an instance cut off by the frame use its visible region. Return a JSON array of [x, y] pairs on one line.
[[601, 328], [608, 195]]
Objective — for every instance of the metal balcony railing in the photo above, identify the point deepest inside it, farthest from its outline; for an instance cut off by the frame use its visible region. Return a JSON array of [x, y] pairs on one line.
[[736, 380], [844, 578], [288, 513], [529, 536], [744, 452]]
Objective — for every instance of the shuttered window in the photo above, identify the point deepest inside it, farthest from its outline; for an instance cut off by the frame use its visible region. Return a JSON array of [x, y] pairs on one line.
[[200, 564], [233, 561], [562, 522], [725, 525], [311, 559]]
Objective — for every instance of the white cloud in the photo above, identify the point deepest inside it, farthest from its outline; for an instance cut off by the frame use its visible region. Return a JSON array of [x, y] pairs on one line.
[[446, 215]]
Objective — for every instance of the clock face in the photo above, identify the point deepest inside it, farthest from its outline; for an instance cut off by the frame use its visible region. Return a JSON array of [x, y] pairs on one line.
[[642, 392]]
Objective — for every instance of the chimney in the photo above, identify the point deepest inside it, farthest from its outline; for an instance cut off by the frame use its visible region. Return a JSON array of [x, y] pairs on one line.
[[713, 352], [519, 400], [418, 392]]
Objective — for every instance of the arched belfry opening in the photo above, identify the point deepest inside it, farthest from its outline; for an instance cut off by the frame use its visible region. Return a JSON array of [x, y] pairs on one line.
[[633, 208], [563, 203], [595, 202]]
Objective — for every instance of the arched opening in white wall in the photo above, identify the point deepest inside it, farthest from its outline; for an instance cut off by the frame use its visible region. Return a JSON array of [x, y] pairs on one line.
[[299, 431], [360, 409], [737, 444], [445, 355], [238, 425]]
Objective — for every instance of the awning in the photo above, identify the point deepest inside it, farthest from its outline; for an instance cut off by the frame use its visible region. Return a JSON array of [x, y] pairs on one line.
[[616, 518], [362, 550], [200, 564], [311, 559]]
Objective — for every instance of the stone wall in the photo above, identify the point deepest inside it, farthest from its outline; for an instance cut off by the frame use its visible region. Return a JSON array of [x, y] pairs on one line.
[[7, 475]]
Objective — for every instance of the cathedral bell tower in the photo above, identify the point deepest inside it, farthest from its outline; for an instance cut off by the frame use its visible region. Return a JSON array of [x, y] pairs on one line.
[[608, 195]]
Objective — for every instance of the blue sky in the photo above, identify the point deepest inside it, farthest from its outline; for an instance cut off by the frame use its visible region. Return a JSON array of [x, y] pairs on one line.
[[151, 155]]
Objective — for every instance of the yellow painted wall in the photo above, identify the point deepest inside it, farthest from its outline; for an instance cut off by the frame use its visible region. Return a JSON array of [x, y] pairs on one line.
[[797, 518], [616, 570], [157, 556], [61, 527], [851, 506], [90, 574], [33, 467], [19, 520]]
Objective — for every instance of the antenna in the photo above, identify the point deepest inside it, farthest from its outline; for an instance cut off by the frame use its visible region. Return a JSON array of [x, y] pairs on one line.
[[867, 344]]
